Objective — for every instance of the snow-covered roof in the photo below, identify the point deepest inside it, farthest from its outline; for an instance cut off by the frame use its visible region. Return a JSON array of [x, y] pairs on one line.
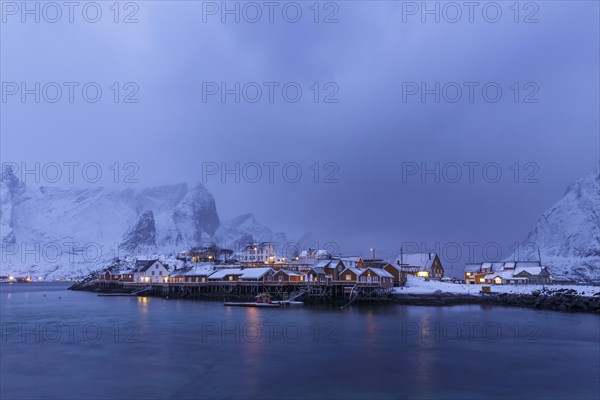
[[222, 273], [529, 269], [143, 265], [505, 274], [321, 264], [254, 273], [318, 270], [200, 270], [357, 271], [382, 273], [290, 273], [245, 273], [121, 272], [420, 260]]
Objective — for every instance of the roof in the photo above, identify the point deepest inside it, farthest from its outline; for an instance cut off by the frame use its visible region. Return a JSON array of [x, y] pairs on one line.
[[143, 265], [357, 271], [350, 259], [375, 263], [318, 270], [382, 273], [321, 264], [200, 270], [533, 267], [121, 272], [530, 270], [255, 273], [243, 273], [290, 273], [505, 274], [222, 273]]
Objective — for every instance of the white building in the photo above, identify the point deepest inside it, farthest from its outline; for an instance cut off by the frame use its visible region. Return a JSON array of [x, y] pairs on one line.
[[149, 271], [261, 252]]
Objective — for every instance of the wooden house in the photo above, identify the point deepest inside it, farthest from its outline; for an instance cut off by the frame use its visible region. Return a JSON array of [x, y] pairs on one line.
[[425, 265], [285, 276], [149, 271], [398, 275], [376, 276]]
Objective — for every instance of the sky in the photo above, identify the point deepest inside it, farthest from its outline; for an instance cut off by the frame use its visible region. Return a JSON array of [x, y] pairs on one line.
[[374, 124]]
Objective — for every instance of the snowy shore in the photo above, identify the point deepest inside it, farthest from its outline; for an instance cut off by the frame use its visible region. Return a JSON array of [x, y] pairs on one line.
[[416, 285]]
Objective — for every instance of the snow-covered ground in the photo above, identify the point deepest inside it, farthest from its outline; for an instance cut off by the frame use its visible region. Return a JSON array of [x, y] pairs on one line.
[[416, 285]]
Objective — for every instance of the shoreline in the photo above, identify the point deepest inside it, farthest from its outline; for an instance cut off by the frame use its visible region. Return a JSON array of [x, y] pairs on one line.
[[565, 300], [560, 300]]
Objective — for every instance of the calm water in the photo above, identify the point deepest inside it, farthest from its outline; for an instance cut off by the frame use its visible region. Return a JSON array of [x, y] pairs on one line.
[[61, 344]]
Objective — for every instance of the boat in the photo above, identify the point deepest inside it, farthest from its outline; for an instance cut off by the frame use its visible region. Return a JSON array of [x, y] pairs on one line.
[[290, 303], [262, 300]]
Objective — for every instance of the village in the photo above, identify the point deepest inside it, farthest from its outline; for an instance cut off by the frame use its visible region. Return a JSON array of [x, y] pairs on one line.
[[312, 274]]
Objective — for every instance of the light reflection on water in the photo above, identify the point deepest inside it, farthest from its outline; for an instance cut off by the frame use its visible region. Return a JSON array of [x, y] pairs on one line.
[[152, 348]]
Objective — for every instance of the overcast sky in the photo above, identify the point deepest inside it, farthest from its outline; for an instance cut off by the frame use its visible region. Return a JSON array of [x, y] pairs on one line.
[[369, 124]]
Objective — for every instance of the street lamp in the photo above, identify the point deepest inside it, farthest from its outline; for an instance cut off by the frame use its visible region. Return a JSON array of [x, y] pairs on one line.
[[372, 252]]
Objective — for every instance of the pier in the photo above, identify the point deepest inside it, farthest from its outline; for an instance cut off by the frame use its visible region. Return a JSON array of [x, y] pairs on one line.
[[334, 292]]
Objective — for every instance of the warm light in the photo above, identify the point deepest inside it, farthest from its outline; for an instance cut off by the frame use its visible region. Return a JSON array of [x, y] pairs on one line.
[[11, 278], [481, 280], [468, 274], [423, 274], [28, 279]]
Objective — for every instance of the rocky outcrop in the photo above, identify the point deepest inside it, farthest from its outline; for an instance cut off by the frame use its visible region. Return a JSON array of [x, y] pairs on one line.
[[142, 234]]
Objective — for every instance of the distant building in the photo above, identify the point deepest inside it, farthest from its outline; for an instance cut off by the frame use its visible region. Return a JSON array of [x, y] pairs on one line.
[[261, 252], [353, 262], [314, 253], [503, 273], [425, 265], [195, 274]]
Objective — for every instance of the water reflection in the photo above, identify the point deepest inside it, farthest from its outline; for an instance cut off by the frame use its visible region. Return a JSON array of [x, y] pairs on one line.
[[369, 354]]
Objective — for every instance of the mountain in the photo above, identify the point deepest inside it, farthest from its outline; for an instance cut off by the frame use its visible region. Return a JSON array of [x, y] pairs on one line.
[[568, 234], [233, 234], [66, 232]]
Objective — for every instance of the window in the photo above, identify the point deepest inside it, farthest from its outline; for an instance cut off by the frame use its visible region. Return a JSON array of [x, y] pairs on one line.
[[152, 272], [160, 272], [348, 277]]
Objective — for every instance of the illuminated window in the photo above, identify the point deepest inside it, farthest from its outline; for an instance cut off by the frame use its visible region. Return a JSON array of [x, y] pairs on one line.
[[348, 277]]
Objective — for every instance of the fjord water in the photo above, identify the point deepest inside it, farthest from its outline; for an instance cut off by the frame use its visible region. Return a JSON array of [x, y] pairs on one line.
[[72, 345]]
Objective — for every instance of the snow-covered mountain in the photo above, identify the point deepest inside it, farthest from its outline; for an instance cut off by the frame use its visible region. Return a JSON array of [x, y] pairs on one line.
[[568, 234], [55, 232]]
